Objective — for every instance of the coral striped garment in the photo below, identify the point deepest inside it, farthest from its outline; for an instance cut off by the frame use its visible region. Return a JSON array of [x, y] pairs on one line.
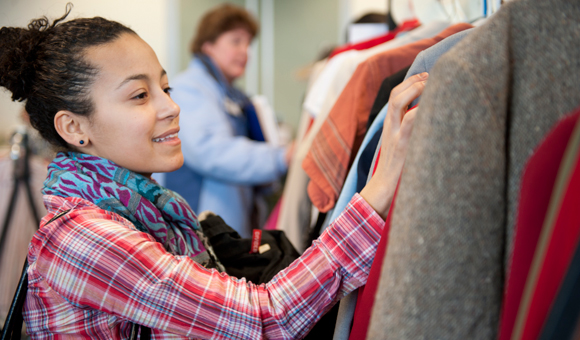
[[92, 273]]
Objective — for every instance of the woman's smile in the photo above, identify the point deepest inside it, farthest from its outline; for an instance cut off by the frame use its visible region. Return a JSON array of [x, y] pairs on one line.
[[172, 139]]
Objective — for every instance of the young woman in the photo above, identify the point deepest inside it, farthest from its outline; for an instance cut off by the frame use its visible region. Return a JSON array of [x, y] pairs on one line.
[[125, 250]]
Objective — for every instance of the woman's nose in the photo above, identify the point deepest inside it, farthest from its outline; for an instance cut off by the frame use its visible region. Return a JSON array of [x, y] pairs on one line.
[[169, 109]]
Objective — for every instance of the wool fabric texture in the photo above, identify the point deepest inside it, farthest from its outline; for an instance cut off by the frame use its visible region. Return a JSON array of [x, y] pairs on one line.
[[153, 209], [488, 104]]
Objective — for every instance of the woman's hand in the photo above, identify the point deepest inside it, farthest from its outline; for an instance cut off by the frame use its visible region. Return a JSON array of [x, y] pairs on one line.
[[397, 128]]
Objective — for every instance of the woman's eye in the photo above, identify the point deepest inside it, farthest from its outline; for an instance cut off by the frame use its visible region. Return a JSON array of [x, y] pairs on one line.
[[141, 95], [168, 90]]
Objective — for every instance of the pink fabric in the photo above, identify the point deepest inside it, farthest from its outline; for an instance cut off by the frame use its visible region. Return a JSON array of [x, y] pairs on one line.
[[273, 218]]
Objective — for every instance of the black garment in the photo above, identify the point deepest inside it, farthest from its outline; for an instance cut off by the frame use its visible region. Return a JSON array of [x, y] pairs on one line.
[[366, 159], [385, 92], [562, 321], [324, 328], [234, 251], [314, 232]]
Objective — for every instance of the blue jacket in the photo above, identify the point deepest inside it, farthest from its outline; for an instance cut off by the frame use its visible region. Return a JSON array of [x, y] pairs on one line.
[[221, 163]]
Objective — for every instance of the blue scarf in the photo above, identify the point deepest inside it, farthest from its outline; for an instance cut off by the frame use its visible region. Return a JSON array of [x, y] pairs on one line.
[[235, 96]]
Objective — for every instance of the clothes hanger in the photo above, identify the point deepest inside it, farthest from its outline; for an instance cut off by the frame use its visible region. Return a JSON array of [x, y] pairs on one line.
[[431, 10], [401, 11]]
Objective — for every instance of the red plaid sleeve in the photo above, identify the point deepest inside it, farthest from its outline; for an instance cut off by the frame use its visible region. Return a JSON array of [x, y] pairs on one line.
[[91, 273]]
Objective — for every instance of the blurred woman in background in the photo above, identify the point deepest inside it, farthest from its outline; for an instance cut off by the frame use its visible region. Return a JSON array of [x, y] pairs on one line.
[[223, 146]]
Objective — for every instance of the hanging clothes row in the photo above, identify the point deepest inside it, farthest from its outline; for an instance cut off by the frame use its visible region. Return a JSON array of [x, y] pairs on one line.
[[367, 69], [360, 173], [360, 72], [489, 103], [330, 155], [466, 252]]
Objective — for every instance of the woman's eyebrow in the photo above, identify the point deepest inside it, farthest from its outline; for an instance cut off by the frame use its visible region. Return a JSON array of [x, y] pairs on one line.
[[133, 77]]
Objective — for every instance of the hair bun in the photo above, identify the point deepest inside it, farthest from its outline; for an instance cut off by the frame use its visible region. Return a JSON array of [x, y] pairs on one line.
[[19, 49]]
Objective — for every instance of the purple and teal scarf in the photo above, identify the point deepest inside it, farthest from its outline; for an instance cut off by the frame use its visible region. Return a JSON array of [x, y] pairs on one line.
[[155, 210]]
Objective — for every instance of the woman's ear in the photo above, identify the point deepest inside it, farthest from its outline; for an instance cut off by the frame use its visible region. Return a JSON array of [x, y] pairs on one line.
[[206, 48], [72, 128]]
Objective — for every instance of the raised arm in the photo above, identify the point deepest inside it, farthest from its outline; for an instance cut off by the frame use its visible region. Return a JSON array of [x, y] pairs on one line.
[[95, 262]]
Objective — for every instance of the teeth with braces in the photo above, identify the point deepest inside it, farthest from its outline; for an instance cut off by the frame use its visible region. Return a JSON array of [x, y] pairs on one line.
[[157, 140]]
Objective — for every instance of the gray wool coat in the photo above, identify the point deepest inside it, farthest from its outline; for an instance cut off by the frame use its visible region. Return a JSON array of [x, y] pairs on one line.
[[487, 105]]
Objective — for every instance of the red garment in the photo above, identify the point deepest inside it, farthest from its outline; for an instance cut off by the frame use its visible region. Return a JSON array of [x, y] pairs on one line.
[[377, 161], [363, 45], [366, 294], [537, 186], [561, 248]]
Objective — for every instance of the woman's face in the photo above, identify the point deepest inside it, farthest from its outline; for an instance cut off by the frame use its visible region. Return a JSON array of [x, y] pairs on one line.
[[135, 122], [230, 52]]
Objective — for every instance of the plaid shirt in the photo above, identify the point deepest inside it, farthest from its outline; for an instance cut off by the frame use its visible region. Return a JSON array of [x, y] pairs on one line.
[[92, 273]]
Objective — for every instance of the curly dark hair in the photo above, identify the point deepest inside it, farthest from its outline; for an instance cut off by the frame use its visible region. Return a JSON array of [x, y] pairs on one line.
[[44, 65], [220, 20]]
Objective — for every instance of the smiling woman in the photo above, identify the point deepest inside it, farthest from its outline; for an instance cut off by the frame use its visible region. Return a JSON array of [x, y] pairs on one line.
[[117, 249]]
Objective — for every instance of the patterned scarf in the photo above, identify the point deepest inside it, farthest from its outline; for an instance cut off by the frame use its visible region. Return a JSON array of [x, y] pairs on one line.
[[160, 212]]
